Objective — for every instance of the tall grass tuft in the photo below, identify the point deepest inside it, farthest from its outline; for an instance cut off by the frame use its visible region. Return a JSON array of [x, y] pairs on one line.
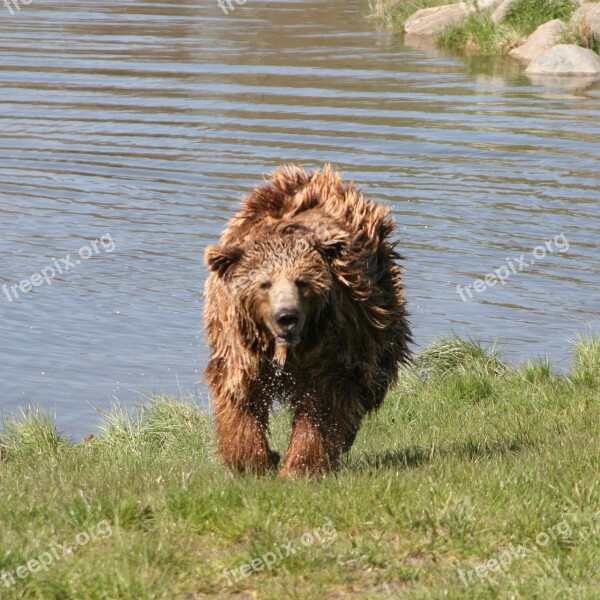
[[586, 366], [33, 434], [537, 372], [165, 426], [526, 16], [477, 33], [454, 355]]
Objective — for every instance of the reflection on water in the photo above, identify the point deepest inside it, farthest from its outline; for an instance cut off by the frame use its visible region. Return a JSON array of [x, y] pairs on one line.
[[149, 121]]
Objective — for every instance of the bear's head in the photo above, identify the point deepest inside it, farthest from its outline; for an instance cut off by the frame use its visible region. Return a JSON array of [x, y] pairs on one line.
[[281, 281]]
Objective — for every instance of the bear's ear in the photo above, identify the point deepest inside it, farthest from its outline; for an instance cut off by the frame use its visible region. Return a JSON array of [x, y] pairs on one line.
[[220, 258], [331, 243]]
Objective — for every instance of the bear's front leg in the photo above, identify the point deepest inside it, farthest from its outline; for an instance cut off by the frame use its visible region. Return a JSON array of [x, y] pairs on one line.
[[316, 443], [242, 429]]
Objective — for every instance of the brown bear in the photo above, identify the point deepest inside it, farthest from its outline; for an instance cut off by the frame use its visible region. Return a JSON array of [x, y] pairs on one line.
[[304, 303]]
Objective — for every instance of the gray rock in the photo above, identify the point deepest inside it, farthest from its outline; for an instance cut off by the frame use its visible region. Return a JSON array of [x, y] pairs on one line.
[[565, 59], [543, 38], [588, 17], [431, 21]]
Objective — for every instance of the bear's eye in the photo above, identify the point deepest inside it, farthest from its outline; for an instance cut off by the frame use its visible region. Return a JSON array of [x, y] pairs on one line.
[[265, 285], [302, 284]]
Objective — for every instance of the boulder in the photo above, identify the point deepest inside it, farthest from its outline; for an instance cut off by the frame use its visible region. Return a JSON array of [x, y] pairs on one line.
[[542, 39], [565, 59], [430, 21], [588, 17]]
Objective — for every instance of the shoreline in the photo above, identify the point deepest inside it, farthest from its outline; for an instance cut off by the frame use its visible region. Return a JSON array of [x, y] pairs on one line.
[[539, 34]]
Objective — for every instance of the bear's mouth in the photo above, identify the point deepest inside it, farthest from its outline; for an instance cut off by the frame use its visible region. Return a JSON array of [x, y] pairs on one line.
[[287, 339]]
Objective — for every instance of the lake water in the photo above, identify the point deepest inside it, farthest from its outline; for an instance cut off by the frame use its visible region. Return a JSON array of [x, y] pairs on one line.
[[147, 121]]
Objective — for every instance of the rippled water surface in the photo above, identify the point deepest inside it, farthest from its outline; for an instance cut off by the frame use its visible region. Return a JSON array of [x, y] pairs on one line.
[[147, 122]]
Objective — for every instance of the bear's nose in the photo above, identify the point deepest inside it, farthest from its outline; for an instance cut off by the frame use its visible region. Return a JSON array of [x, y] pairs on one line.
[[287, 318]]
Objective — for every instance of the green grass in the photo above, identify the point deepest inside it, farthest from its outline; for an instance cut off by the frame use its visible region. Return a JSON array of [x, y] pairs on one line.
[[478, 33], [527, 15], [468, 458]]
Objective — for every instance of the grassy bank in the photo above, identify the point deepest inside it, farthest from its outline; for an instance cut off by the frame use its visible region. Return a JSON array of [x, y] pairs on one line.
[[468, 460], [478, 33]]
